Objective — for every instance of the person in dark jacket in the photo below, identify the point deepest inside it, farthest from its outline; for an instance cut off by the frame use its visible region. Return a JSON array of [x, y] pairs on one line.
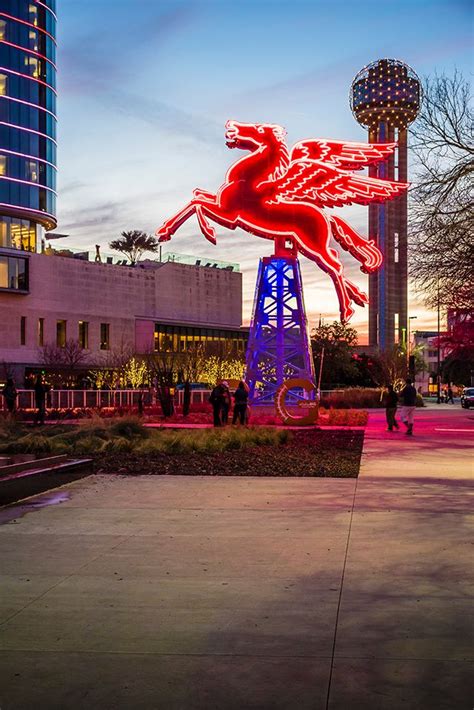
[[450, 399], [10, 394], [226, 402], [217, 400], [408, 398], [40, 399], [240, 403], [391, 402]]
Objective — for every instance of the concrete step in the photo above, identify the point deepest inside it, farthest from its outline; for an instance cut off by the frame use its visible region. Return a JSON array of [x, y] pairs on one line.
[[22, 484]]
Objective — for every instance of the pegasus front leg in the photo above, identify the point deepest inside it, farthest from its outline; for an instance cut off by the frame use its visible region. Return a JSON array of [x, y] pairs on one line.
[[168, 228]]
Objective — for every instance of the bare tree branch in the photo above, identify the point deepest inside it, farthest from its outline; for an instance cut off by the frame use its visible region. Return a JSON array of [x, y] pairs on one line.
[[442, 205]]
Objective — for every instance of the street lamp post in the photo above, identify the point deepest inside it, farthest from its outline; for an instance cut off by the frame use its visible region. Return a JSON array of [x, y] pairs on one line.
[[412, 374]]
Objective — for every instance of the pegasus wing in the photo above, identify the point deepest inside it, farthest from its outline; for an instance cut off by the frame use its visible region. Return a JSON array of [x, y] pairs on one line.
[[348, 156], [326, 186]]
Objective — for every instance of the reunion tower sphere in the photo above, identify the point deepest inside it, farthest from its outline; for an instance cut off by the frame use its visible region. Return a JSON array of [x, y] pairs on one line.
[[386, 91]]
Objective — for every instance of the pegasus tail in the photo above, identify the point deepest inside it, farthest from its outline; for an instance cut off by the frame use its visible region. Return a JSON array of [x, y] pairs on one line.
[[364, 250]]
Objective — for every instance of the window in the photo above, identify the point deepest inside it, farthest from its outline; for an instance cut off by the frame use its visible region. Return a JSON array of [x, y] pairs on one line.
[[40, 332], [61, 333], [34, 66], [104, 336], [395, 247], [83, 334], [23, 330], [3, 164], [33, 13], [33, 40], [13, 273], [3, 84], [31, 170], [3, 27]]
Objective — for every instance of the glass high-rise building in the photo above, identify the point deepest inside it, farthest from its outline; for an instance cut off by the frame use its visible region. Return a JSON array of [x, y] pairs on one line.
[[27, 133]]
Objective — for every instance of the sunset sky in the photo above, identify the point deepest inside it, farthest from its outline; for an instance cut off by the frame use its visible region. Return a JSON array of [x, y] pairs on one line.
[[145, 88]]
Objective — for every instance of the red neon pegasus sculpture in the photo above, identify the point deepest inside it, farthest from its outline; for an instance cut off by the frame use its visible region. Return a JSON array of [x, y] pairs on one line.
[[280, 195]]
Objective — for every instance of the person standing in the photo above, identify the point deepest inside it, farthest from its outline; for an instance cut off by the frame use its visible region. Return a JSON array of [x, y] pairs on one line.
[[10, 394], [40, 399], [226, 402], [391, 402], [240, 403], [450, 395], [408, 397], [217, 399]]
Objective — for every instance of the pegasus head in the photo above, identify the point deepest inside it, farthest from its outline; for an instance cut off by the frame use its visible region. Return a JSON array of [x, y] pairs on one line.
[[251, 136]]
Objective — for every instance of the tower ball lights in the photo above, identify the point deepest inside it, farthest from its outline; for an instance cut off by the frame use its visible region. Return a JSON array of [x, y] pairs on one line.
[[385, 98]]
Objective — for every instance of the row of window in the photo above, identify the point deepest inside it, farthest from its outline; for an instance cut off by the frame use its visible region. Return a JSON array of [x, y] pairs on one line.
[[27, 64], [171, 338], [35, 119], [28, 169], [28, 37], [62, 334], [35, 14], [19, 233], [29, 196], [28, 143], [19, 87], [14, 273]]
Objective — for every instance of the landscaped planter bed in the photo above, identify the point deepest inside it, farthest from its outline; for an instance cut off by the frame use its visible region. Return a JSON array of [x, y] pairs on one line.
[[306, 453], [125, 445]]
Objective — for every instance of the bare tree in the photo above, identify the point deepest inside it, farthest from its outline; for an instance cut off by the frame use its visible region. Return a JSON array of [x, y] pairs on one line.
[[442, 209], [64, 362], [134, 244], [163, 368]]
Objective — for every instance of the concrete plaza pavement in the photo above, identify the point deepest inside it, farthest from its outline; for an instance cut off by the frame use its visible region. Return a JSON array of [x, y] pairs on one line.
[[234, 593]]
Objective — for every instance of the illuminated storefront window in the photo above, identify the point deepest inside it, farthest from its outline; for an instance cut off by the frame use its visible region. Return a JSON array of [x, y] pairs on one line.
[[180, 339]]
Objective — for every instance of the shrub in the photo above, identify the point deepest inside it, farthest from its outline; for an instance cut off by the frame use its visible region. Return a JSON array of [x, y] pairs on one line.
[[34, 443], [347, 417], [129, 427], [352, 398]]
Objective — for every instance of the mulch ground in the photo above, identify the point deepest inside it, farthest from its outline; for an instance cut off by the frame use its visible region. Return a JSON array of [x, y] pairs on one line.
[[333, 454]]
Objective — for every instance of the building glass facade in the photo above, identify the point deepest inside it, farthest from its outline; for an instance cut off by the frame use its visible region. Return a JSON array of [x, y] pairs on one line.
[[181, 338], [27, 122]]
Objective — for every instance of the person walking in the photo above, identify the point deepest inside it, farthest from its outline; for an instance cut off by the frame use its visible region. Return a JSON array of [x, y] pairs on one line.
[[40, 399], [408, 397], [391, 402], [217, 400], [10, 394], [240, 403], [226, 402], [450, 399]]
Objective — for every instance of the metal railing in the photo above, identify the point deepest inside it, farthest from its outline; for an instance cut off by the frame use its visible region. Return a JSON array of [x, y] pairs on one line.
[[100, 399]]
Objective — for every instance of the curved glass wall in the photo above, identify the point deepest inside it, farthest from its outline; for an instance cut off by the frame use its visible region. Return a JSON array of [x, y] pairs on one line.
[[27, 122]]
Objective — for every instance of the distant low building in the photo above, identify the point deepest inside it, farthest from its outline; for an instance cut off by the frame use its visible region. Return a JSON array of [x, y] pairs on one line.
[[154, 306]]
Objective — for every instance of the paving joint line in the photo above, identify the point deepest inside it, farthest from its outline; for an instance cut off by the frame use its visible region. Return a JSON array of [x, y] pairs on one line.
[[340, 594], [63, 579]]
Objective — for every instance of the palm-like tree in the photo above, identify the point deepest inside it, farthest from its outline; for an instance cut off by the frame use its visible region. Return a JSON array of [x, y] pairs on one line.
[[134, 244]]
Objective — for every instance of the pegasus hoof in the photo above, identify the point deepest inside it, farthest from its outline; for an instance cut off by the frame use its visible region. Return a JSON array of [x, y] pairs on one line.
[[163, 235]]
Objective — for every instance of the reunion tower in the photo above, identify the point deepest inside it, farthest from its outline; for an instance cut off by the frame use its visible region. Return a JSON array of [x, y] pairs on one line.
[[385, 98]]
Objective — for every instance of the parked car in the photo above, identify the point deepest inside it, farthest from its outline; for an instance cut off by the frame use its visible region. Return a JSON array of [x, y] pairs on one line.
[[467, 397]]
